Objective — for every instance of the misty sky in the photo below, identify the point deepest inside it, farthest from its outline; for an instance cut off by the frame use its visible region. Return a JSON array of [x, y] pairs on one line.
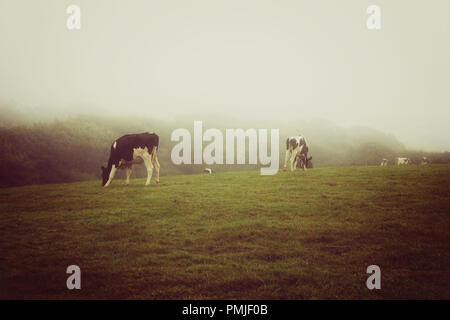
[[255, 59]]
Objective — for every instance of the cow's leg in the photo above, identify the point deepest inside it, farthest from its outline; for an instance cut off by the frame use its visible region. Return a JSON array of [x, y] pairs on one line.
[[155, 163], [129, 170], [304, 162], [111, 175], [149, 166], [293, 161], [287, 159]]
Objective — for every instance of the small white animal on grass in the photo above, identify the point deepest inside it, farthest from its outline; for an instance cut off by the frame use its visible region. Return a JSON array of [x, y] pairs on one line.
[[401, 161]]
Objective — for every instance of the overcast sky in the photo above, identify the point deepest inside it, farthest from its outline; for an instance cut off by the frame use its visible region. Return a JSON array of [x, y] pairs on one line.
[[252, 58]]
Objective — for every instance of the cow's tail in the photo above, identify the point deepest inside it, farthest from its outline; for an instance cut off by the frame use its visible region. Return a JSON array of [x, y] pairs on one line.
[[155, 148], [154, 153], [154, 157]]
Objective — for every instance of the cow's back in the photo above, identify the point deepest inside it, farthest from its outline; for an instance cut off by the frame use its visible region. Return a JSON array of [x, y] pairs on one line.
[[123, 147]]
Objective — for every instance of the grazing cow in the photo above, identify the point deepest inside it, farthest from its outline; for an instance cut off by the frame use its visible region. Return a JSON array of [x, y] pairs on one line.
[[425, 160], [384, 162], [296, 153], [208, 171], [401, 161], [132, 149]]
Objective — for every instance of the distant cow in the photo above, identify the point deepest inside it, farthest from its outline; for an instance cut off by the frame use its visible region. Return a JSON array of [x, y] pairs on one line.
[[384, 162], [425, 160], [296, 153], [208, 171], [132, 149], [401, 161]]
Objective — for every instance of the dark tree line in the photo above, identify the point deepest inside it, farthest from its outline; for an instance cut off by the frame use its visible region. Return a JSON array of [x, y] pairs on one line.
[[74, 149]]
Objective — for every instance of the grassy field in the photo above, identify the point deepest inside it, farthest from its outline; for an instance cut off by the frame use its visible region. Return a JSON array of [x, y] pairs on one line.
[[302, 235]]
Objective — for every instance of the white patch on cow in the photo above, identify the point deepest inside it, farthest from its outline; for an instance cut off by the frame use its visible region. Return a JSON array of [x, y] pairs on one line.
[[143, 153], [139, 152], [150, 160], [401, 161], [114, 144]]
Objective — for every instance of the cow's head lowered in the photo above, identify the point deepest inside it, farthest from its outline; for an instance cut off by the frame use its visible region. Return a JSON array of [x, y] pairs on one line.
[[105, 175], [303, 161]]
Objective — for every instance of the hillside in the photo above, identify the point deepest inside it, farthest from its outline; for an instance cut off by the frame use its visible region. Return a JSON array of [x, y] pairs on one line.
[[73, 149], [233, 235]]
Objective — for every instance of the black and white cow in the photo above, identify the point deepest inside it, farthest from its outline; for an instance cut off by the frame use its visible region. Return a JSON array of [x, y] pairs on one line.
[[401, 161], [132, 149], [296, 153]]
